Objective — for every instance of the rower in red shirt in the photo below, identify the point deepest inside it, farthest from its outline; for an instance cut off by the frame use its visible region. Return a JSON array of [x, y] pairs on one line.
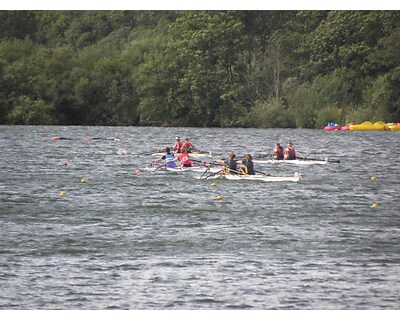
[[177, 148], [188, 145], [290, 152], [184, 158]]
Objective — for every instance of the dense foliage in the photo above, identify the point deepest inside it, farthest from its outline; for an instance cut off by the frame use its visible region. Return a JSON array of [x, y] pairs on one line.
[[199, 68]]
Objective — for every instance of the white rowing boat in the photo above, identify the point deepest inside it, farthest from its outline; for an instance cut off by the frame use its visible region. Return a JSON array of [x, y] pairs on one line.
[[182, 169], [257, 177], [296, 162], [194, 169], [191, 154]]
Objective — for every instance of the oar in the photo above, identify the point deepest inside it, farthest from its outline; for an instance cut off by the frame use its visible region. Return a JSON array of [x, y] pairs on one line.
[[211, 175], [60, 138], [159, 167], [265, 174], [260, 155], [207, 169], [202, 162], [155, 151], [202, 151], [164, 164], [312, 159]]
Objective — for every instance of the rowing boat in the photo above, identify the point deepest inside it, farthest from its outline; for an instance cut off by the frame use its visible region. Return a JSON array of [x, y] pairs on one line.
[[257, 177], [296, 162], [194, 169], [163, 167], [191, 154]]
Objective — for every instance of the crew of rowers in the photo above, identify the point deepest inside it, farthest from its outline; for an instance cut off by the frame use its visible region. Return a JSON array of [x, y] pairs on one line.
[[183, 149], [288, 154], [229, 166], [178, 146]]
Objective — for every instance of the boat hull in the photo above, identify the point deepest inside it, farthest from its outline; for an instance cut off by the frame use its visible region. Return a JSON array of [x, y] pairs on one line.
[[192, 154], [332, 128], [295, 162], [257, 177], [194, 169]]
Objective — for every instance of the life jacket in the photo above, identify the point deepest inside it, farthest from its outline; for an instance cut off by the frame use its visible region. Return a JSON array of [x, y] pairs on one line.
[[178, 147], [185, 160], [278, 153], [231, 166], [168, 159], [290, 154]]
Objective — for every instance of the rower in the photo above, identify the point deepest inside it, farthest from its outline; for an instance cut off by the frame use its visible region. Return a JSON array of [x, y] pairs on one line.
[[184, 158], [290, 152], [168, 157], [278, 152], [230, 165], [248, 167], [188, 145], [178, 145]]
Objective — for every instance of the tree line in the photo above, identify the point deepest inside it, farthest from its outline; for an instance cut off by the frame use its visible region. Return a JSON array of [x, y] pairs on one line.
[[199, 68]]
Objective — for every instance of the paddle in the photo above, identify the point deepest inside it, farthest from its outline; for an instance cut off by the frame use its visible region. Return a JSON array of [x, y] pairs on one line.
[[202, 151], [262, 155], [312, 159], [202, 162], [159, 167], [210, 175], [265, 174], [155, 151]]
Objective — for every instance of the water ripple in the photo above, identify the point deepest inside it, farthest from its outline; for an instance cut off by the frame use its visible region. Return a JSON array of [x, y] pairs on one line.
[[160, 240]]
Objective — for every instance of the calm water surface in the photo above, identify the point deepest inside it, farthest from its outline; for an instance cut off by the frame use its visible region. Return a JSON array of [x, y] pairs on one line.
[[161, 240]]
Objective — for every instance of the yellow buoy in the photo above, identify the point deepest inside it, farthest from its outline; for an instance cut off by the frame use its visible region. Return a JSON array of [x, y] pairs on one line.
[[213, 184], [83, 180], [374, 205], [219, 197], [373, 178], [63, 193]]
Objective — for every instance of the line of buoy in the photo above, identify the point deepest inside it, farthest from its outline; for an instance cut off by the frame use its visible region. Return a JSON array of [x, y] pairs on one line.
[[64, 193]]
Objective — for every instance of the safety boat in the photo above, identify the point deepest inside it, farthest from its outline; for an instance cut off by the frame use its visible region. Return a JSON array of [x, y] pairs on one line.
[[257, 177], [367, 125], [393, 126], [332, 126], [345, 127]]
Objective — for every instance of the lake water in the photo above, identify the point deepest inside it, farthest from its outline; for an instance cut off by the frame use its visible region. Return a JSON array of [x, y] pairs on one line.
[[162, 240]]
